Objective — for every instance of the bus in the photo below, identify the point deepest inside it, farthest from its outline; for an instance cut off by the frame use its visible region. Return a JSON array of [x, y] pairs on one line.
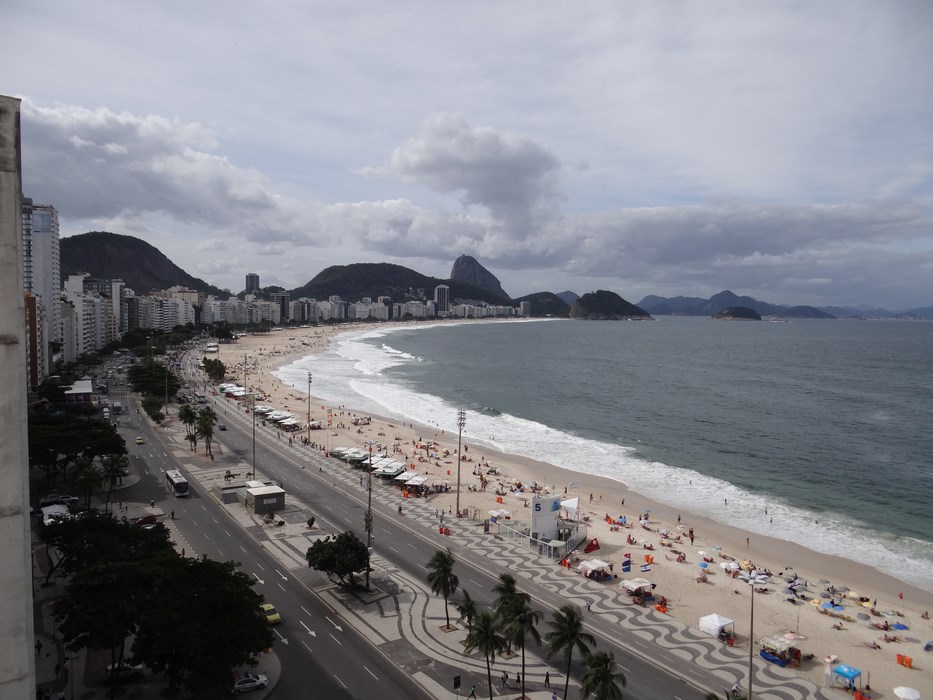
[[177, 483], [200, 398]]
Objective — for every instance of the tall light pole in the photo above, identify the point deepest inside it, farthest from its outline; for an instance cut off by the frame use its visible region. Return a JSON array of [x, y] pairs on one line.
[[368, 518], [309, 408], [252, 411], [461, 421], [754, 578]]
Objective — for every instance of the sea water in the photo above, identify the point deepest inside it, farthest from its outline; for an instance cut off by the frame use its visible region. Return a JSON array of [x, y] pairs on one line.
[[826, 424]]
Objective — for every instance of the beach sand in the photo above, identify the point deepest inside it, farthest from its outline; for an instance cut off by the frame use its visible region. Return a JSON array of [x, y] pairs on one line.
[[688, 600]]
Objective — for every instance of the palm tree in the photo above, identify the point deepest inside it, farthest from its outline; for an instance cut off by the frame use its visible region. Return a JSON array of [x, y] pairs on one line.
[[523, 624], [112, 473], [87, 477], [509, 600], [188, 416], [467, 610], [442, 578], [567, 634], [601, 680], [205, 429], [484, 636]]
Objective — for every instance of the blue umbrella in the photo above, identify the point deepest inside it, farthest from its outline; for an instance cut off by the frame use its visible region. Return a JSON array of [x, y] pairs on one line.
[[702, 565], [899, 626]]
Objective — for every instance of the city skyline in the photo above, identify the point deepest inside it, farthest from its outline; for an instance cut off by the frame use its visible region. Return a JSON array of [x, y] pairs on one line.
[[776, 150]]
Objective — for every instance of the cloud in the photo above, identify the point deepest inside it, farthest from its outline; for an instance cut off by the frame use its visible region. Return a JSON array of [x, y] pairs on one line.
[[510, 175]]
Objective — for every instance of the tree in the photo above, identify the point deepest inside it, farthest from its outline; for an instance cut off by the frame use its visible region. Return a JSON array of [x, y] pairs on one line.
[[467, 610], [205, 428], [152, 405], [214, 369], [442, 578], [338, 556], [98, 537], [102, 604], [203, 620], [601, 679], [484, 636], [567, 634], [112, 473], [510, 599], [87, 477], [523, 625], [188, 416]]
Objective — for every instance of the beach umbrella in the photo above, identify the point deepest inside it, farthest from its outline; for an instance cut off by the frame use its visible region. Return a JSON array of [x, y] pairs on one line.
[[899, 626], [701, 553], [824, 580], [790, 636], [844, 589], [827, 606], [863, 616], [824, 594], [905, 693], [702, 565]]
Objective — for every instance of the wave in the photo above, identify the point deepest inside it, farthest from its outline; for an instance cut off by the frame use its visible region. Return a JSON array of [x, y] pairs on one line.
[[352, 373]]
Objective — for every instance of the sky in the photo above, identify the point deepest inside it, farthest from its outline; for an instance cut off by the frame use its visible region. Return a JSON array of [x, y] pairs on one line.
[[778, 149]]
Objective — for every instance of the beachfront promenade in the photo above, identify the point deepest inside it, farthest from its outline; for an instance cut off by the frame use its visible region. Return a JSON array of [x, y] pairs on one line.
[[405, 619]]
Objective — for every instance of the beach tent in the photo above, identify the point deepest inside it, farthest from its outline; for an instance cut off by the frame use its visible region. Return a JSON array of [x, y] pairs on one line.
[[636, 585], [592, 565], [847, 675], [571, 505], [711, 624]]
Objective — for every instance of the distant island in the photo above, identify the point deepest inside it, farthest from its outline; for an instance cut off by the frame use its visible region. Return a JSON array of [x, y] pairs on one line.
[[737, 313], [603, 305]]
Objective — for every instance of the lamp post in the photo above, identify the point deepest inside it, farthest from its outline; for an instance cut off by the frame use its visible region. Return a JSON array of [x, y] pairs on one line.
[[309, 408], [753, 578], [368, 518], [252, 411], [461, 421]]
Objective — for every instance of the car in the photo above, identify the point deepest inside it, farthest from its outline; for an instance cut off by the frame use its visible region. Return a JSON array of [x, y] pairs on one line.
[[221, 426], [146, 520], [273, 617], [247, 682], [123, 671], [139, 440], [67, 500]]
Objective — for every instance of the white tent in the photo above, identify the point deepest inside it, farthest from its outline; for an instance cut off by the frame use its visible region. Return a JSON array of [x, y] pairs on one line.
[[635, 585], [592, 565], [711, 624], [571, 505]]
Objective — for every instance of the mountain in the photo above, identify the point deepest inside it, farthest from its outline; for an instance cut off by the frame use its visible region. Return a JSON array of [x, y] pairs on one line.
[[568, 297], [546, 304], [606, 306], [113, 256], [353, 282], [467, 269], [695, 306]]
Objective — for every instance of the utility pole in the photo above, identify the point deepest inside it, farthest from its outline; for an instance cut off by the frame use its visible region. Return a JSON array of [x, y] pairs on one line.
[[461, 422], [369, 511], [309, 408]]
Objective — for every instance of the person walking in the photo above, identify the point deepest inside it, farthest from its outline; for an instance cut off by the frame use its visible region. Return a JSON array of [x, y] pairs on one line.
[[547, 679], [472, 693]]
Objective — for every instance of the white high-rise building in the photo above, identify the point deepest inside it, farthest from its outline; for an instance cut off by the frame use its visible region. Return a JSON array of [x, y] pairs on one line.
[[42, 275], [441, 300]]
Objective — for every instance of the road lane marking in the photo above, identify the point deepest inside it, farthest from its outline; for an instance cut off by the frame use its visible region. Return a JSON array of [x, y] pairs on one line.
[[257, 577], [260, 566], [310, 631], [228, 534], [338, 642], [244, 550], [306, 646], [394, 550], [341, 682], [280, 586], [371, 673]]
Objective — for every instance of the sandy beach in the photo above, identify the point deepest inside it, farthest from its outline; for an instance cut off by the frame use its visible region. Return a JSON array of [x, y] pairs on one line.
[[818, 634]]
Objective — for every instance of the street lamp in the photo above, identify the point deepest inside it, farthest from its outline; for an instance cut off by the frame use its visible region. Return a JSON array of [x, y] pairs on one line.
[[753, 578], [252, 411], [309, 408], [461, 421], [368, 518]]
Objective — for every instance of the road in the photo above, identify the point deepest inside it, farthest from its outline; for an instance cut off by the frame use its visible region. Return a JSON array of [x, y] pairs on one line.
[[315, 648]]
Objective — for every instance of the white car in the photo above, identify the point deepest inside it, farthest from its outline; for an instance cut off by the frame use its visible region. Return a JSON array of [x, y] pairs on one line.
[[247, 682], [123, 671]]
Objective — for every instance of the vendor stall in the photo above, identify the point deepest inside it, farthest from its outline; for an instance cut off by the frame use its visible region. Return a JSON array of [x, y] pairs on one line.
[[637, 586], [779, 650], [595, 569], [846, 676]]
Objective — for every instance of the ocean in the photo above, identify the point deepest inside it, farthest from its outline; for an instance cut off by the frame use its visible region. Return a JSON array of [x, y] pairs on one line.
[[828, 424]]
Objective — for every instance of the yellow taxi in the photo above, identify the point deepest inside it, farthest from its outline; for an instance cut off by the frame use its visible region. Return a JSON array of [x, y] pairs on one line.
[[139, 440], [272, 615]]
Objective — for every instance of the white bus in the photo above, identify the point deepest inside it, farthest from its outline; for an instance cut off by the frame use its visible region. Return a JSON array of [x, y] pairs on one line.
[[176, 482], [200, 398]]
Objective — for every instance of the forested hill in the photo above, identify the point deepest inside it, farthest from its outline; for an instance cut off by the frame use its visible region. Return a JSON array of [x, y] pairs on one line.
[[113, 256], [353, 282]]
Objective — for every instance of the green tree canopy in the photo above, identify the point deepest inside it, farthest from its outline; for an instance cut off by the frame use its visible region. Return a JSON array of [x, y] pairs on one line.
[[567, 634], [442, 578], [603, 680], [339, 556]]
